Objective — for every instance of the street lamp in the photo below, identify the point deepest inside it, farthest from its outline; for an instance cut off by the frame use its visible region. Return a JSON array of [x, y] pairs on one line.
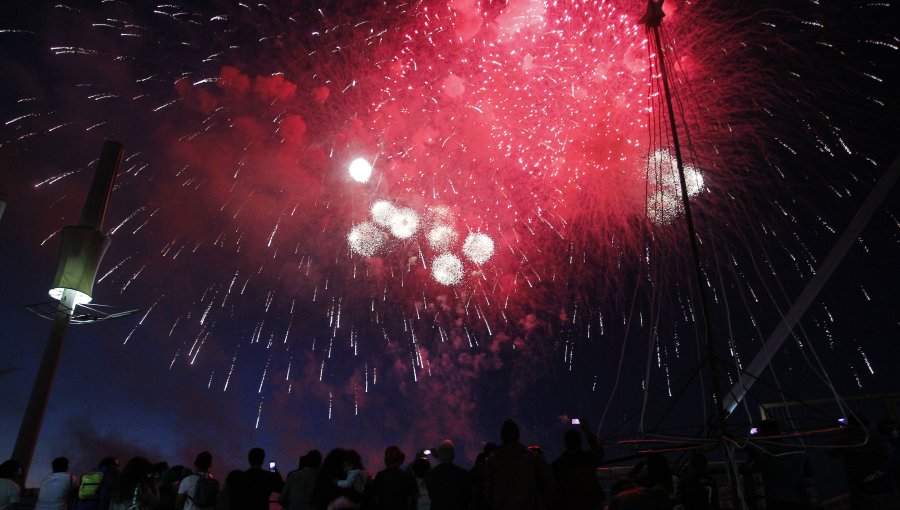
[[81, 251]]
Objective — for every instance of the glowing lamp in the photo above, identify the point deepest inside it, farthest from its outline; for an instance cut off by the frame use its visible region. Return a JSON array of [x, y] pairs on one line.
[[360, 170], [80, 254]]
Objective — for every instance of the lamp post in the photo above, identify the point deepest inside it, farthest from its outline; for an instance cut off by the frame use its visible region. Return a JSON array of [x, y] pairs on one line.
[[81, 250]]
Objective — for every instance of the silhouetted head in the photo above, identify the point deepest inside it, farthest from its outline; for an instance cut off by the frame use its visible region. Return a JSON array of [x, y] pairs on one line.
[[314, 458], [509, 432], [138, 472], [60, 465], [393, 457], [446, 451], [332, 466], [10, 469], [203, 462], [139, 467], [353, 459], [256, 457], [110, 463], [572, 440], [485, 453]]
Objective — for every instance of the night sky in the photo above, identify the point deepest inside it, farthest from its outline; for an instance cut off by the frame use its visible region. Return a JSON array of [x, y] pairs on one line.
[[527, 254]]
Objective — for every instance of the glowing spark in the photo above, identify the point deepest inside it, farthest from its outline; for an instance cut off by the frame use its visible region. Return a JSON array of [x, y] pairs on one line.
[[360, 170], [382, 211], [664, 203], [117, 266], [230, 372], [366, 239], [442, 238], [447, 269], [404, 223], [478, 247]]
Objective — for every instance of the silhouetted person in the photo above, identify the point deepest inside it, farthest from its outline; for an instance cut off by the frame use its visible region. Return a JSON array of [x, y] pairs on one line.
[[781, 464], [187, 489], [890, 429], [298, 488], [516, 478], [135, 487], [94, 495], [867, 467], [420, 468], [476, 477], [448, 484], [57, 490], [697, 490], [575, 472], [394, 488], [10, 492], [658, 475], [169, 479], [229, 494], [352, 485], [326, 490], [256, 485]]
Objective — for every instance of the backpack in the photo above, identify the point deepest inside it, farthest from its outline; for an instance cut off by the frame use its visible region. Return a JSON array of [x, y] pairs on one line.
[[90, 485], [205, 492]]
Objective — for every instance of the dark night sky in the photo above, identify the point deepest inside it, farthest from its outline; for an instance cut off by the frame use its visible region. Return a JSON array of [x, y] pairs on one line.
[[233, 208]]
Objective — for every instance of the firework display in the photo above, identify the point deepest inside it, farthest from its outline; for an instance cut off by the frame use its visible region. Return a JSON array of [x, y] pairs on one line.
[[410, 199]]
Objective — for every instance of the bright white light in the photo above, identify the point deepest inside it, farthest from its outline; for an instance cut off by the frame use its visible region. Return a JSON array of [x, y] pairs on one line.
[[442, 238], [382, 212], [80, 297], [360, 170], [664, 202], [693, 179], [447, 269], [366, 239], [478, 247], [404, 223]]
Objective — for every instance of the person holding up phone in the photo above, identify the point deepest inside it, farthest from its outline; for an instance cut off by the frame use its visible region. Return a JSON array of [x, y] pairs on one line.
[[575, 470], [256, 485]]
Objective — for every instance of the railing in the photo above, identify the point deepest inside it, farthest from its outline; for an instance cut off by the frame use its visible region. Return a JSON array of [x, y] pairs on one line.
[[825, 412]]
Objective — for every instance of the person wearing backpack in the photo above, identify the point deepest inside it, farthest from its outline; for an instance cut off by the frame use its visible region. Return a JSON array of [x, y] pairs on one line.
[[199, 490], [95, 486]]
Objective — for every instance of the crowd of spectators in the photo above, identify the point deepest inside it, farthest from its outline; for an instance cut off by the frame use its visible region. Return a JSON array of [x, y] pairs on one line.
[[506, 476]]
